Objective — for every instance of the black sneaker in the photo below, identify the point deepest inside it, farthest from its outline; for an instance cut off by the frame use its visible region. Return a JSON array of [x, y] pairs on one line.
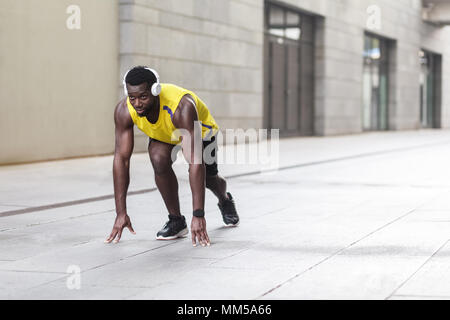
[[174, 228], [229, 214]]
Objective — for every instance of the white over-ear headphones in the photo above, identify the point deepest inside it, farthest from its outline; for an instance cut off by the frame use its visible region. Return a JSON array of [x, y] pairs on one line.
[[156, 87]]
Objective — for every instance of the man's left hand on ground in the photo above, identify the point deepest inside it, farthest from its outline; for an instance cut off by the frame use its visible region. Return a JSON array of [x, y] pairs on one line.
[[198, 231]]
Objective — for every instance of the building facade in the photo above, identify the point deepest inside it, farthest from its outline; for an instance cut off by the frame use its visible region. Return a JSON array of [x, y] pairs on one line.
[[306, 67]]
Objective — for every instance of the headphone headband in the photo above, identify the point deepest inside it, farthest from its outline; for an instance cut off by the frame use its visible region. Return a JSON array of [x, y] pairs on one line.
[[156, 87]]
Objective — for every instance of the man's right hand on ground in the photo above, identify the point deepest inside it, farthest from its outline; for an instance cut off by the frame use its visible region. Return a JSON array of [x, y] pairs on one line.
[[122, 221]]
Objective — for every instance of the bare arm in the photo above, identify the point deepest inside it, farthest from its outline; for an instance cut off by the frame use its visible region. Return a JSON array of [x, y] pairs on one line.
[[186, 118], [124, 143]]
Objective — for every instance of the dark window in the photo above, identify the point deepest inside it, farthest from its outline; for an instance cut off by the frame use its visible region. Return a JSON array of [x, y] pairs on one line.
[[429, 89], [289, 71], [375, 83]]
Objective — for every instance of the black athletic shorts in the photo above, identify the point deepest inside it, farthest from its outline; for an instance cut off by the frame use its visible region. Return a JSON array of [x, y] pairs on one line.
[[211, 166]]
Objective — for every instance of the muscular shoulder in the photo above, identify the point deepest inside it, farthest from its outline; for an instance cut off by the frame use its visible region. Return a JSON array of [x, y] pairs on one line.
[[186, 113], [122, 116]]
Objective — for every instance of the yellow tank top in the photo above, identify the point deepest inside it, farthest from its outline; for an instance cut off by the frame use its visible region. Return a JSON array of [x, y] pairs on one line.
[[163, 128]]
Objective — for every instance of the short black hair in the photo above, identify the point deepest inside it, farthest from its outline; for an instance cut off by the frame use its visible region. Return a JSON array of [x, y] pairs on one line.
[[139, 75]]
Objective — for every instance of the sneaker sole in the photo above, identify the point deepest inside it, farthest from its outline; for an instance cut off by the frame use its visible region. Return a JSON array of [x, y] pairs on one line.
[[180, 234], [231, 225]]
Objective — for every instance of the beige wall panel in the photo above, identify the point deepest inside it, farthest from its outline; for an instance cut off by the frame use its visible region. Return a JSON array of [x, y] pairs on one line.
[[58, 87]]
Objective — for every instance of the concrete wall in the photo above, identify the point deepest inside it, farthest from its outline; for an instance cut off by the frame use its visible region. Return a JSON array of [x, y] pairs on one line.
[[340, 47], [214, 48], [57, 86]]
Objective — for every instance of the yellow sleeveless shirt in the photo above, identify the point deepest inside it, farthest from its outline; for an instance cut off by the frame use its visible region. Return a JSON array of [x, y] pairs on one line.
[[163, 128]]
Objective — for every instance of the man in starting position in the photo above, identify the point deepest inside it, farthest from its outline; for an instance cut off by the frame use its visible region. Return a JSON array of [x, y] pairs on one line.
[[162, 110]]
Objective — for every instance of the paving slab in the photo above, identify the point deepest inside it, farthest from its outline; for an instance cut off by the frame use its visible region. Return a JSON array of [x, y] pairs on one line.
[[432, 279], [218, 283], [16, 281], [349, 277], [57, 290]]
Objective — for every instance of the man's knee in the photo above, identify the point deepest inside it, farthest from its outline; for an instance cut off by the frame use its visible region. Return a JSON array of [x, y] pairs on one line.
[[161, 163]]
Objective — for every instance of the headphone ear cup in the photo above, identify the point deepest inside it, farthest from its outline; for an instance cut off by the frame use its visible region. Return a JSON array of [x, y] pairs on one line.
[[156, 89], [125, 91]]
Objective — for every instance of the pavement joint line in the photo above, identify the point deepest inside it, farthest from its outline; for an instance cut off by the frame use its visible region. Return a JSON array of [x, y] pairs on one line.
[[82, 271], [97, 267], [127, 257], [32, 271], [233, 254], [418, 269], [335, 254], [294, 166], [152, 249], [55, 221], [70, 203], [48, 282]]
